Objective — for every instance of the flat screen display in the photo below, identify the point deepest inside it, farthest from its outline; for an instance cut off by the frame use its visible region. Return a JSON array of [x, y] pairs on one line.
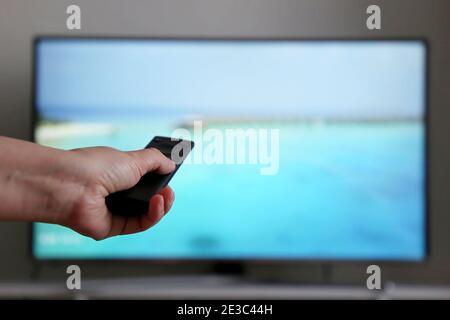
[[305, 150]]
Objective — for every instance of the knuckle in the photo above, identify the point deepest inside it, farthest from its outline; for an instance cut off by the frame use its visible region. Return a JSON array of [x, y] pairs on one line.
[[155, 152], [98, 237]]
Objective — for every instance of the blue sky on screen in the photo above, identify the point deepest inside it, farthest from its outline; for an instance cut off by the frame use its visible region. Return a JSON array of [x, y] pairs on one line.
[[320, 79]]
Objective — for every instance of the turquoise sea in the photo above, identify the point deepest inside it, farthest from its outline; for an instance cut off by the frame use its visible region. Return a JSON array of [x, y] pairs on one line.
[[344, 190]]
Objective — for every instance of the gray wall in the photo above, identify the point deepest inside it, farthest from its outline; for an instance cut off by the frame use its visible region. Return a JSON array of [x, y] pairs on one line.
[[20, 20]]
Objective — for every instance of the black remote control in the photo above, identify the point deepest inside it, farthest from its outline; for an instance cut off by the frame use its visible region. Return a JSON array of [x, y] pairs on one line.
[[135, 201]]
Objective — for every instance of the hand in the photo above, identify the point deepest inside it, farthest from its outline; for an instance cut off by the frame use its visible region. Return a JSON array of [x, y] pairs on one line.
[[106, 170], [69, 187]]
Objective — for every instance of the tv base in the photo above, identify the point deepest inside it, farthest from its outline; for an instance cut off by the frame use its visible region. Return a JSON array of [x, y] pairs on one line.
[[228, 268]]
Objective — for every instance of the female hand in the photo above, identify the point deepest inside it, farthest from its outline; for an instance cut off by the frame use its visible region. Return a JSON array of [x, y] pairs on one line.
[[69, 187]]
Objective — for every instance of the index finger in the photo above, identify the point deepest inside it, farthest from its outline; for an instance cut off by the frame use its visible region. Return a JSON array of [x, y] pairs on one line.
[[153, 160]]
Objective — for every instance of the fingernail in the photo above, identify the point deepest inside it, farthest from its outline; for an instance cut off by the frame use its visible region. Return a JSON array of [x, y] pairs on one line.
[[161, 204]]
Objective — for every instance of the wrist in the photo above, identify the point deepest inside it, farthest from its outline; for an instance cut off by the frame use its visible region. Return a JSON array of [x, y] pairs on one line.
[[34, 197], [39, 195]]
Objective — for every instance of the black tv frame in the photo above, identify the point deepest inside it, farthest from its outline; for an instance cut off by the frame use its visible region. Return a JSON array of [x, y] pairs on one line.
[[234, 265]]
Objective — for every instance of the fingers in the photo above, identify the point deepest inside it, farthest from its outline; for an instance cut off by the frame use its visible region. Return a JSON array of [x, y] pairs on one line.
[[169, 198], [153, 160], [155, 213], [159, 205], [129, 225]]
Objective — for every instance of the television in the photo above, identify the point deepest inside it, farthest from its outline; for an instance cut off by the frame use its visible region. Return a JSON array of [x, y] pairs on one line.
[[333, 155]]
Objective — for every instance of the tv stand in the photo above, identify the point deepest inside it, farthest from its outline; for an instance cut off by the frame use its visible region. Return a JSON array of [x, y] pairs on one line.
[[228, 269]]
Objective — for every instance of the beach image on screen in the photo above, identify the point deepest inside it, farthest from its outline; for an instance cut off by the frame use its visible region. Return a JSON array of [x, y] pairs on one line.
[[351, 123]]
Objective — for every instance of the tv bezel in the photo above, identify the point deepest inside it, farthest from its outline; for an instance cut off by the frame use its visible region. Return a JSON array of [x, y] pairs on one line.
[[259, 261]]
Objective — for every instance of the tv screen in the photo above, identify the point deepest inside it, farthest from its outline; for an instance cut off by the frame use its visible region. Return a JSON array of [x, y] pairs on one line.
[[332, 163]]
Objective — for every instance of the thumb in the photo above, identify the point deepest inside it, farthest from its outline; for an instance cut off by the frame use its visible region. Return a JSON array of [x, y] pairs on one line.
[[148, 160]]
